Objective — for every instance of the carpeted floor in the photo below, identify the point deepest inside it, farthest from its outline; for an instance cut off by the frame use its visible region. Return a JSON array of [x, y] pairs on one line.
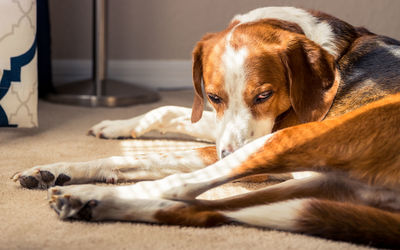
[[27, 222]]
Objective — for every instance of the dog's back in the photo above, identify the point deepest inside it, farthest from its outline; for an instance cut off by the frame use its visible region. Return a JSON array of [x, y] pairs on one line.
[[369, 71]]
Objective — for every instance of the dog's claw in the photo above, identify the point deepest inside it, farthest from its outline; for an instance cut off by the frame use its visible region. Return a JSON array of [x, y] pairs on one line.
[[55, 191], [16, 176], [54, 198]]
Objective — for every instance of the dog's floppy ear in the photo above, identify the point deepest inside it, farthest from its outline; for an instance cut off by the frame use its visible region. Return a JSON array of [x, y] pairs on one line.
[[197, 71], [311, 75]]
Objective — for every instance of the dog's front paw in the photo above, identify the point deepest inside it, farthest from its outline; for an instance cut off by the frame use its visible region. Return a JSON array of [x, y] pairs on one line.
[[117, 129], [135, 127], [41, 177], [67, 173], [94, 203], [77, 202]]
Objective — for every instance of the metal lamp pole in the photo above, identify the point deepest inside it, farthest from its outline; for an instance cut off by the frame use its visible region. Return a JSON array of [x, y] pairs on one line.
[[100, 91]]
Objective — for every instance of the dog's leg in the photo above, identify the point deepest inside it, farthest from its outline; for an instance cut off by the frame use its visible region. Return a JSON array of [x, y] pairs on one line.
[[167, 119], [145, 197], [329, 219], [148, 166], [284, 206], [326, 216]]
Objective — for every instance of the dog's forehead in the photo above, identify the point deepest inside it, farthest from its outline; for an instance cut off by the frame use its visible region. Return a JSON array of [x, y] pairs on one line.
[[223, 61], [235, 58]]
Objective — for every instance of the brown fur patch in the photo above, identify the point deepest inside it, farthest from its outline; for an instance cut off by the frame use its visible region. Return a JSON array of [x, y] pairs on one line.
[[189, 215], [350, 222], [208, 154]]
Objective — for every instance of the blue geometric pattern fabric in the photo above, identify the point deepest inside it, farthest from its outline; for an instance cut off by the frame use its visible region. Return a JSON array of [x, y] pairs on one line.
[[14, 75], [18, 64]]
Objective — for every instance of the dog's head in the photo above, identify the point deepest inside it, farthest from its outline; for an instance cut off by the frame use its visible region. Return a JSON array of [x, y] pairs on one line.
[[257, 75]]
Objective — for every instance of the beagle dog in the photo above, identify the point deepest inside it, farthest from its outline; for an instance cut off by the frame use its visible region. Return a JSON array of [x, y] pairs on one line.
[[292, 90]]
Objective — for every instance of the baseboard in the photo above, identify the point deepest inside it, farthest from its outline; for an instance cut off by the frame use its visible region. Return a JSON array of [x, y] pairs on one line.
[[160, 74]]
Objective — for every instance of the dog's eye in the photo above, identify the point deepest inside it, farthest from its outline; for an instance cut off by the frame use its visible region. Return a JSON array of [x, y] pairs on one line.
[[262, 97], [215, 99]]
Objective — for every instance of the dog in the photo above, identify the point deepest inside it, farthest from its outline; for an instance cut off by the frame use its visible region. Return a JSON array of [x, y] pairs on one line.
[[292, 90]]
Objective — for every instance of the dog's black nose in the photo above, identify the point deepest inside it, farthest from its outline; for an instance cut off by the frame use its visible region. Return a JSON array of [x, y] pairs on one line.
[[225, 153]]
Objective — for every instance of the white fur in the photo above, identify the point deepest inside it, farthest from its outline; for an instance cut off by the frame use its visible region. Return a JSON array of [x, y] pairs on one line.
[[237, 126], [187, 186], [280, 215], [315, 30], [232, 126], [166, 119], [302, 175]]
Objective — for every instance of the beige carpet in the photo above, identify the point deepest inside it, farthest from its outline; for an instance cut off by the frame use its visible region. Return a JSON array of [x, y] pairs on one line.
[[27, 222]]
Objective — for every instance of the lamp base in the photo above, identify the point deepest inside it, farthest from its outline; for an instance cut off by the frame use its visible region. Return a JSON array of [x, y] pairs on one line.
[[115, 94]]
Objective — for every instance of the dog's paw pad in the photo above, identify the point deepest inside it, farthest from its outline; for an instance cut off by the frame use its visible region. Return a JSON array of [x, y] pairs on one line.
[[102, 136], [46, 176], [62, 179], [38, 177], [91, 132], [85, 213], [28, 182]]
